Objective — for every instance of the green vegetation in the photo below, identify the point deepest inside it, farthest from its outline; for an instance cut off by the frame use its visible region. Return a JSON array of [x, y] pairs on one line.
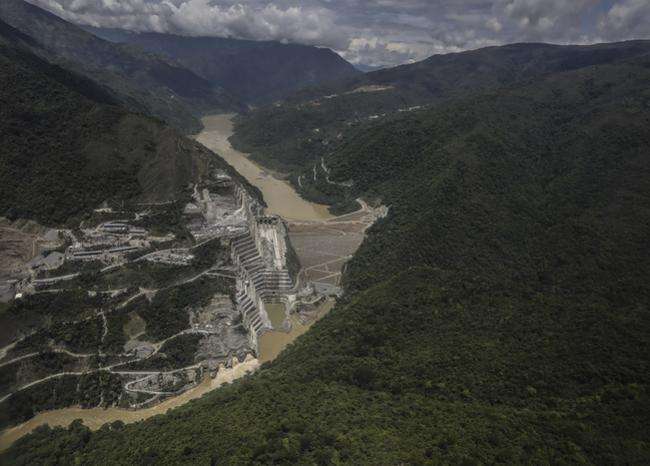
[[67, 146], [254, 71], [83, 336], [134, 326], [167, 219], [210, 253], [20, 373], [143, 82], [175, 354], [143, 274], [70, 267], [154, 275], [498, 314], [294, 136], [167, 313], [116, 336], [86, 390], [33, 312]]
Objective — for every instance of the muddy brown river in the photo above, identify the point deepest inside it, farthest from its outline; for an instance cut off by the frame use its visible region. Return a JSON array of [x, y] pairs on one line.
[[272, 343], [96, 417], [279, 195]]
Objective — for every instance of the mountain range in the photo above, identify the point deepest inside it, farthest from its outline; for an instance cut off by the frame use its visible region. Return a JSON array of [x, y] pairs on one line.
[[68, 144], [176, 79], [256, 72], [497, 315], [301, 130]]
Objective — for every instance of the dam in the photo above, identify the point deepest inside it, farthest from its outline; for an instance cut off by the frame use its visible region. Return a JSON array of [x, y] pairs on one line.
[[284, 269]]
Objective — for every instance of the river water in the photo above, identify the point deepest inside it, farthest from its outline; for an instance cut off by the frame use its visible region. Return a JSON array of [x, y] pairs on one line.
[[272, 343], [282, 200], [96, 417], [279, 195]]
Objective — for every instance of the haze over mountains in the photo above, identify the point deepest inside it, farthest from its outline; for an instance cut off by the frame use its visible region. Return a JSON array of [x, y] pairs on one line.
[[142, 82], [499, 313], [254, 71]]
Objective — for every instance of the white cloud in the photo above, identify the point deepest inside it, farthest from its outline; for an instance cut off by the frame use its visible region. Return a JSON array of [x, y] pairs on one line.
[[625, 17], [543, 19], [494, 25], [314, 25]]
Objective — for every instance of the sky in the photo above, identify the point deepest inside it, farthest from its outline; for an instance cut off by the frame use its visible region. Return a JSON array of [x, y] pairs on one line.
[[374, 32]]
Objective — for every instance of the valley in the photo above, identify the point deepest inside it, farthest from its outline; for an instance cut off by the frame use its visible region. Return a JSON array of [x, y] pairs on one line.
[[216, 249]]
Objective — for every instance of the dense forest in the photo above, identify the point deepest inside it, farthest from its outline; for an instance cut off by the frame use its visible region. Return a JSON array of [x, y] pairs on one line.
[[294, 134], [65, 140], [89, 390], [68, 145], [498, 314]]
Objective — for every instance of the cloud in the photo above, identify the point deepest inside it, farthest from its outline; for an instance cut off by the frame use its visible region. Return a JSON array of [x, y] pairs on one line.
[[377, 52], [313, 26], [377, 32], [557, 21], [626, 18]]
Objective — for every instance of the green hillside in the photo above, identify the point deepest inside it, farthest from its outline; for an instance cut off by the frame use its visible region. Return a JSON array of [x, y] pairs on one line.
[[256, 72], [141, 81], [67, 146], [294, 135], [498, 314]]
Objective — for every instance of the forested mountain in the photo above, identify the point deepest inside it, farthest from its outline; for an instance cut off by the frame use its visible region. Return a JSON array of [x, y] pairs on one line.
[[256, 72], [498, 314], [144, 82], [67, 145], [294, 135]]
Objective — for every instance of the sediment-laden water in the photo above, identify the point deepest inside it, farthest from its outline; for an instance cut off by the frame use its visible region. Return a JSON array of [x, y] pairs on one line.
[[279, 195], [96, 417], [272, 343]]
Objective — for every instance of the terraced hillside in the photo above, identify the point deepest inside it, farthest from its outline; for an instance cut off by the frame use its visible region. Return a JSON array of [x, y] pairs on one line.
[[498, 314]]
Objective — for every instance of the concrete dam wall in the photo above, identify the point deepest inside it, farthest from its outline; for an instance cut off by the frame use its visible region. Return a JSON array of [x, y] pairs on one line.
[[259, 258]]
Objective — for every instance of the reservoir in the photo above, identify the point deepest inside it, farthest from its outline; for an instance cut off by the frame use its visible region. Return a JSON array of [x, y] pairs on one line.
[[279, 195]]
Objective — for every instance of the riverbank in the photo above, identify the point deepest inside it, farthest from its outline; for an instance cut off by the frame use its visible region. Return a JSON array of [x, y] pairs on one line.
[[94, 418], [280, 197], [272, 343]]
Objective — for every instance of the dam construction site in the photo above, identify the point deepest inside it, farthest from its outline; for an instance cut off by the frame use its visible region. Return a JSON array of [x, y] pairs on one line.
[[166, 301]]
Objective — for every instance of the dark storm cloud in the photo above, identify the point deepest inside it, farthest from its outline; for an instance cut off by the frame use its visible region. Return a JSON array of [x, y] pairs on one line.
[[378, 32]]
